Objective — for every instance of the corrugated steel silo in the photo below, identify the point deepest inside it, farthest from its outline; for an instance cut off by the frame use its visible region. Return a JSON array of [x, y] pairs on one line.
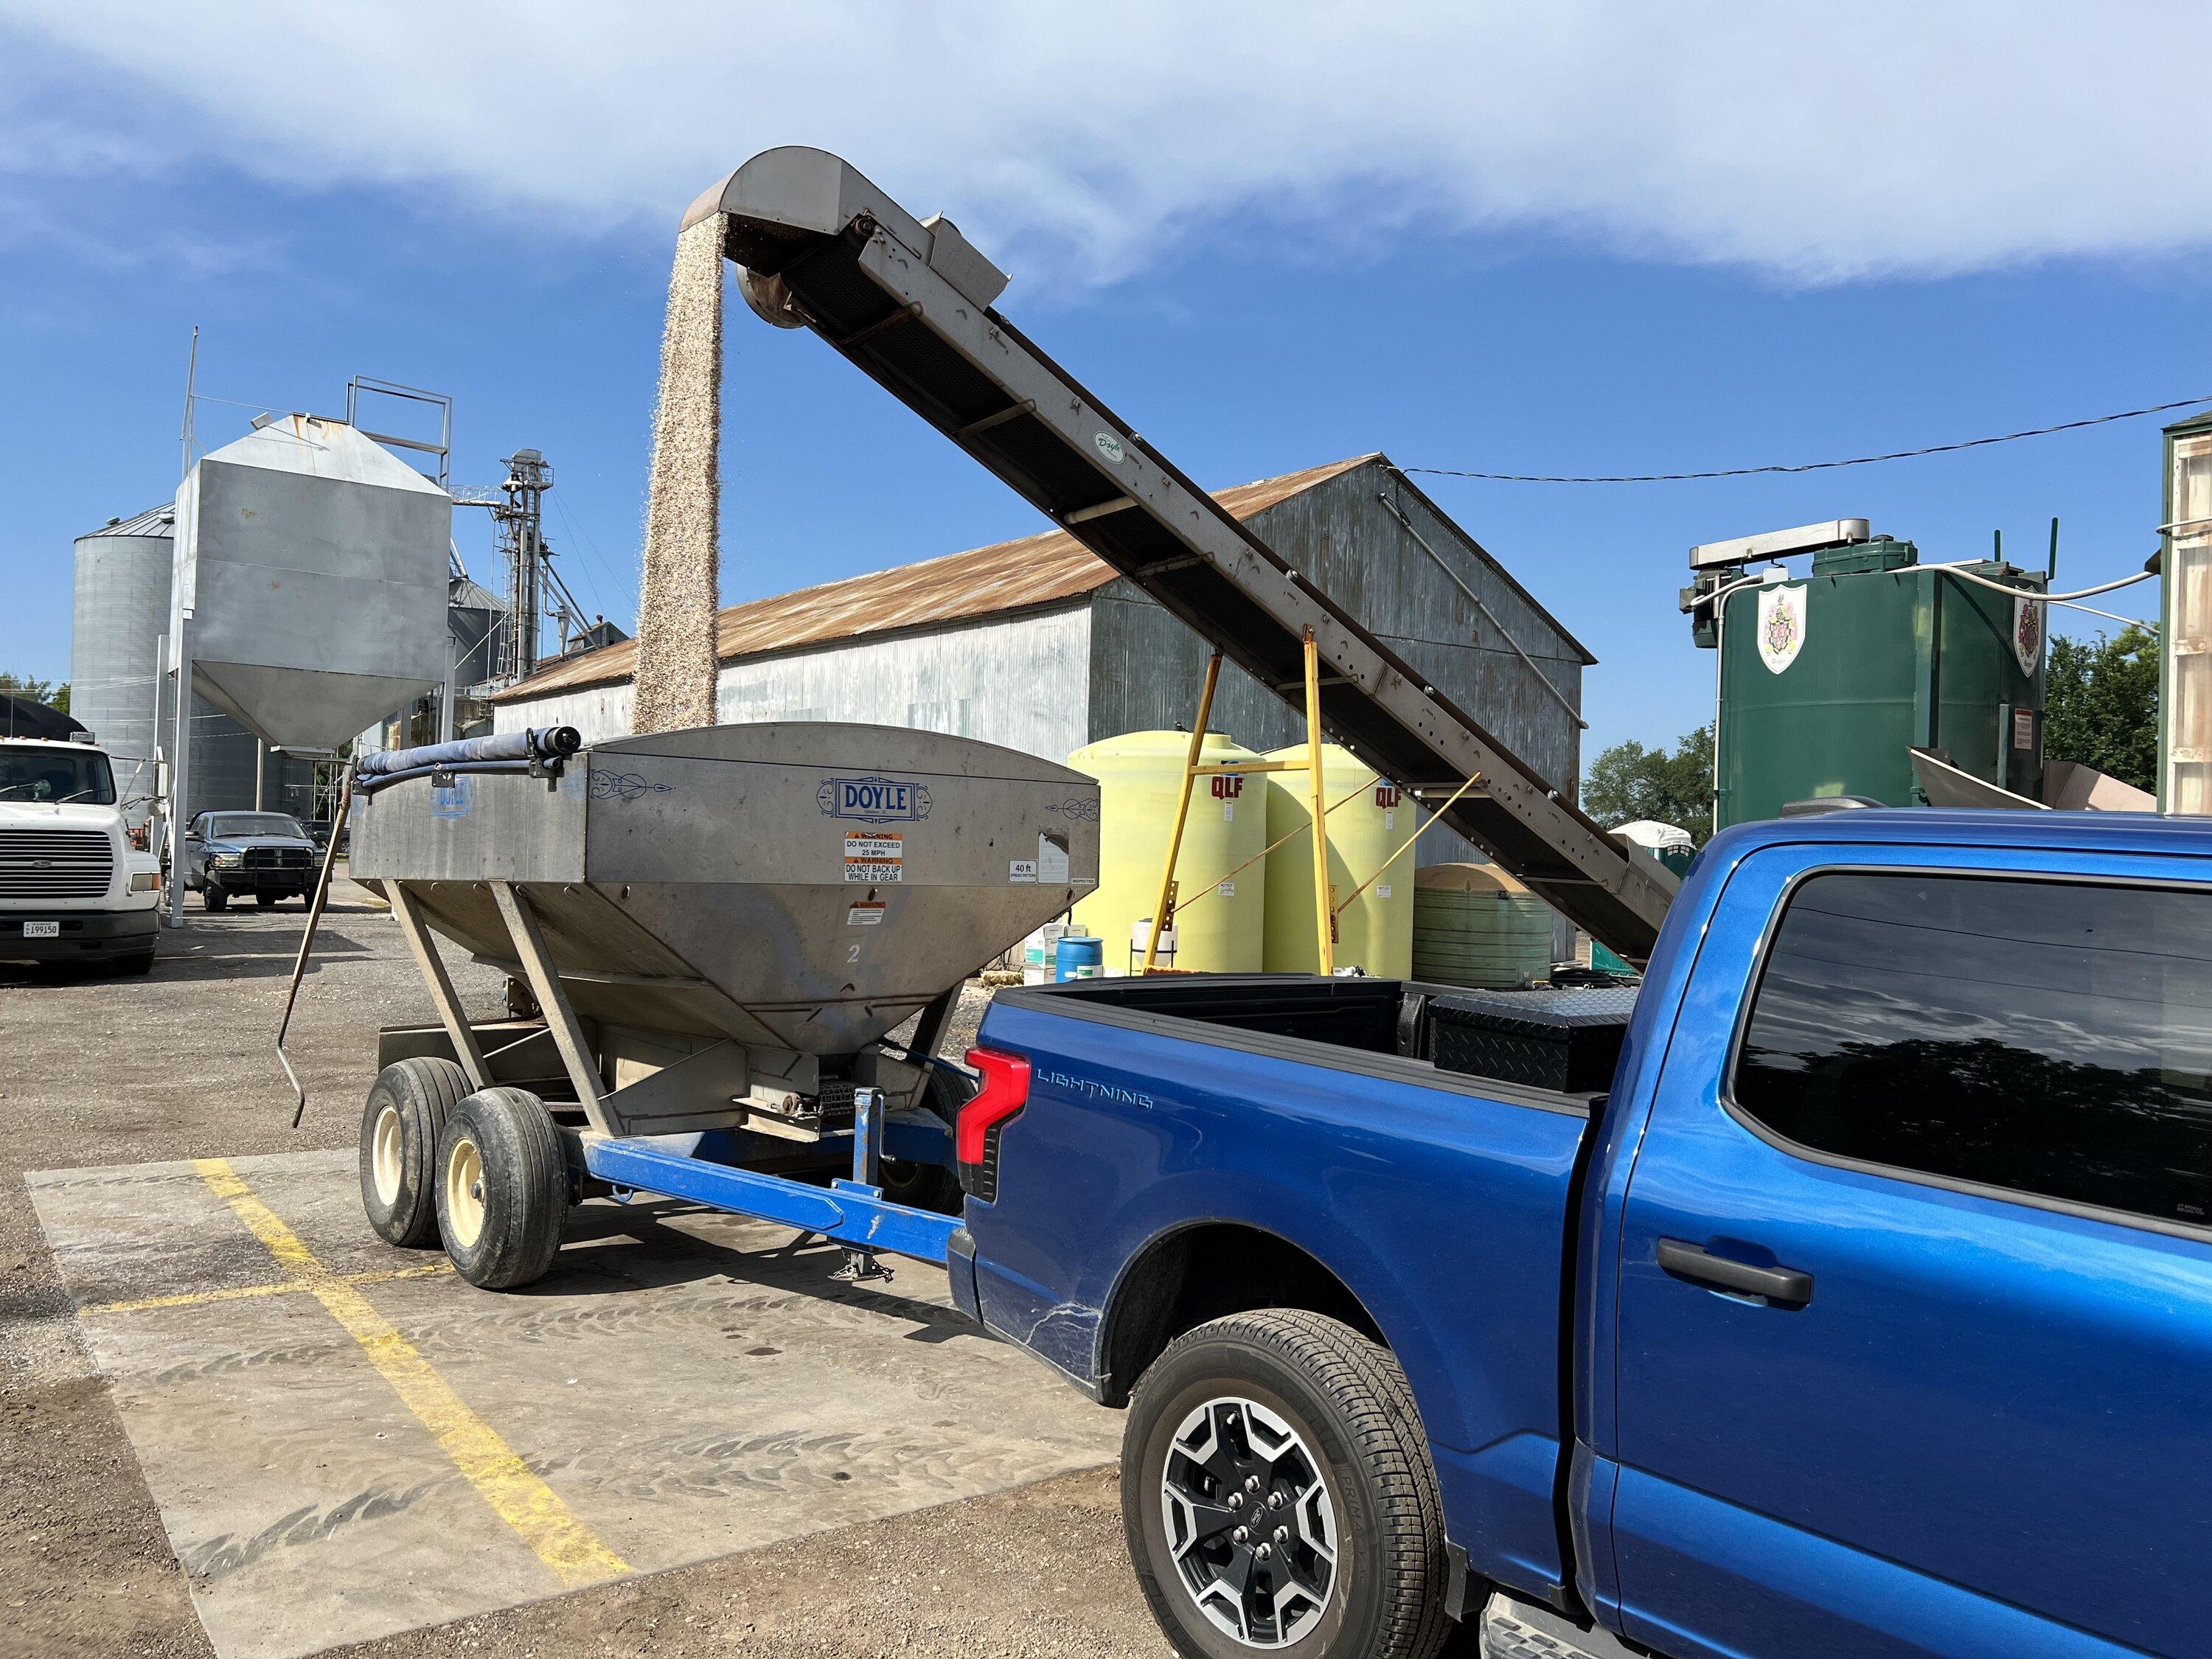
[[121, 607]]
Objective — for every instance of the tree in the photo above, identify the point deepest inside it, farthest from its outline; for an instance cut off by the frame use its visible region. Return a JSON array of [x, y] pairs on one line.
[[2100, 705], [35, 690], [1629, 781]]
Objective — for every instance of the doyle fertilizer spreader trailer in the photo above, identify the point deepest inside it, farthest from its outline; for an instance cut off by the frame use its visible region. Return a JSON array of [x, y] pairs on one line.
[[720, 929]]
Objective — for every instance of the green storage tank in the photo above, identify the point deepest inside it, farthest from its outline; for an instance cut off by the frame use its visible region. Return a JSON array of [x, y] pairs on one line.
[[1828, 682], [1474, 925]]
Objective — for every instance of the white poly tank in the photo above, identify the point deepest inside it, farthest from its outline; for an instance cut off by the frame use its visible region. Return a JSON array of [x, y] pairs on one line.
[[1139, 775]]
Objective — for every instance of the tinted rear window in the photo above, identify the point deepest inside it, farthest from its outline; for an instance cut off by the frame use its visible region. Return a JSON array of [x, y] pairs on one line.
[[2053, 1038]]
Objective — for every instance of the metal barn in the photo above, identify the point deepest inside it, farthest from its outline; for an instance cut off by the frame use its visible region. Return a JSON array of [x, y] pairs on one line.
[[1037, 645]]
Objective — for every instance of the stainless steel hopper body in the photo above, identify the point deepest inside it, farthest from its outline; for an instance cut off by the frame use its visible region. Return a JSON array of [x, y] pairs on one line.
[[726, 920]]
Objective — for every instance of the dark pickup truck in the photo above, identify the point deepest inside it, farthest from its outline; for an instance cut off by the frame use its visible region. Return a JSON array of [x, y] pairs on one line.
[[228, 855], [1865, 1310]]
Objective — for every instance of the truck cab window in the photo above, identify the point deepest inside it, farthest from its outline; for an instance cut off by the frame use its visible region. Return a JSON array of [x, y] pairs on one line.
[[56, 777], [2047, 1037]]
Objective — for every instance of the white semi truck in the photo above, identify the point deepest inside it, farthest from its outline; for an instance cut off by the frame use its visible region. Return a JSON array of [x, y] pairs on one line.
[[73, 888]]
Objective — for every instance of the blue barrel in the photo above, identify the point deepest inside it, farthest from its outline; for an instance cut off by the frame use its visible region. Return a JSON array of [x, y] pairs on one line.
[[1080, 955]]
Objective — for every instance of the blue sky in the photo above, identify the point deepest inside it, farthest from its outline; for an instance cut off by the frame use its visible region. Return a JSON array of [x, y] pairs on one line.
[[1260, 266]]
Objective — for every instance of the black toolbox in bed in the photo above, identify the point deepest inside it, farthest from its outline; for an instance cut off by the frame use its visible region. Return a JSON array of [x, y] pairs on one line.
[[1563, 1039]]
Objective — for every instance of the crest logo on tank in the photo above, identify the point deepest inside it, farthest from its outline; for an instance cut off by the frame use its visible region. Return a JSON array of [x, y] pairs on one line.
[[1781, 627], [2027, 635]]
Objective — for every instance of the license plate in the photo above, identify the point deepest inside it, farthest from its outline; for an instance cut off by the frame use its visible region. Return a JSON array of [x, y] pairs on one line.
[[42, 930]]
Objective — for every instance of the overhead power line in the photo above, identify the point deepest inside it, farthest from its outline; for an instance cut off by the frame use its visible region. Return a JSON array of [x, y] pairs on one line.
[[1806, 466]]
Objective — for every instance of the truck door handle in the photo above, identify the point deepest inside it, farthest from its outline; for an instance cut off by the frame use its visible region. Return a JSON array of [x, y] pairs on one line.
[[1786, 1286]]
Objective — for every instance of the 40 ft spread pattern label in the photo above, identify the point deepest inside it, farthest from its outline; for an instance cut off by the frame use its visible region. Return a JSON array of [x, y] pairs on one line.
[[874, 859]]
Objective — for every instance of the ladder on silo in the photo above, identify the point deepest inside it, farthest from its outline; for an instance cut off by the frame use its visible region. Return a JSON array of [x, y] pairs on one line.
[[910, 303]]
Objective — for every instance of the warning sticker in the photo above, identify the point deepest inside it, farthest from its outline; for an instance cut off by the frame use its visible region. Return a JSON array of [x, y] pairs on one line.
[[1052, 859], [866, 914], [1021, 870], [874, 859]]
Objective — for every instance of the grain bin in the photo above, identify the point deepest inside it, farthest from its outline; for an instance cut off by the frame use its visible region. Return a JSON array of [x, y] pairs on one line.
[[311, 581], [121, 610], [1474, 924], [1375, 931], [1139, 775]]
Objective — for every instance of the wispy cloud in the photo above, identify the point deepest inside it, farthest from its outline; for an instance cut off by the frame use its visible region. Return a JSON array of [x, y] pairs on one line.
[[1811, 143]]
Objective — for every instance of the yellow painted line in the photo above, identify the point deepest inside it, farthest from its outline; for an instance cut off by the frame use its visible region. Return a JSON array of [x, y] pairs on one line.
[[572, 1551], [240, 1293]]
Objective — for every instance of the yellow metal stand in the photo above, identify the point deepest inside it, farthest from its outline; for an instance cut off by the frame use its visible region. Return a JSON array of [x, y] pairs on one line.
[[1324, 910]]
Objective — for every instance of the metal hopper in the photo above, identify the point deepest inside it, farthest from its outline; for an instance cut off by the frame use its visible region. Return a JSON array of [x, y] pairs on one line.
[[779, 896]]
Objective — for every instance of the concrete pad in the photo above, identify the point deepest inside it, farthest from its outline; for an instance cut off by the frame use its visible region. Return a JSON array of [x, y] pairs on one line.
[[685, 1382]]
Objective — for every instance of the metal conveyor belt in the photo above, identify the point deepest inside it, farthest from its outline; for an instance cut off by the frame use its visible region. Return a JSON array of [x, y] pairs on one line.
[[909, 303]]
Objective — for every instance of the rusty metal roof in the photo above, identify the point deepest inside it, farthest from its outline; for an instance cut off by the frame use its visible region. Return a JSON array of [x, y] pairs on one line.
[[1049, 569]]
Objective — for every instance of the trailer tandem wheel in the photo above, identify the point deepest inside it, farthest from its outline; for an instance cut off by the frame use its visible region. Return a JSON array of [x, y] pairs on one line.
[[408, 1106], [502, 1189]]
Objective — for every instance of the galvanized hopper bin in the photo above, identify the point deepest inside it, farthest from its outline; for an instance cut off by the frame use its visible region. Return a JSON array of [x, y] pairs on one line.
[[311, 581], [799, 887]]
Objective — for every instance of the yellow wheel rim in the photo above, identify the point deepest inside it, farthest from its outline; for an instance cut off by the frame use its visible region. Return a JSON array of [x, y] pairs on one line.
[[386, 1148], [465, 1205]]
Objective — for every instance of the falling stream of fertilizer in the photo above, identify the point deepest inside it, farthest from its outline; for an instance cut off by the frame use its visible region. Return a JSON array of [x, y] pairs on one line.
[[675, 685]]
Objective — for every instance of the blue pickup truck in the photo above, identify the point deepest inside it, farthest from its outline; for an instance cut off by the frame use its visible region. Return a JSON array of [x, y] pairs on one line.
[[1868, 1311]]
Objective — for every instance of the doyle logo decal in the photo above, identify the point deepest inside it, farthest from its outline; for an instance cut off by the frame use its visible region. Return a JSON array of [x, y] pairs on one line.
[[1092, 1089], [874, 800], [1109, 446], [452, 800]]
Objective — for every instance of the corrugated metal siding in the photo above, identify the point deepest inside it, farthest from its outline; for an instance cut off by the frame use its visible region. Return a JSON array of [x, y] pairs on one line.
[[1046, 569], [1021, 682]]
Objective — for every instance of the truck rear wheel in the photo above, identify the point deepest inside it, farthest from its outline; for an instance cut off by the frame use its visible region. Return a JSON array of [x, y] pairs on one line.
[[1277, 1495], [502, 1189], [408, 1106]]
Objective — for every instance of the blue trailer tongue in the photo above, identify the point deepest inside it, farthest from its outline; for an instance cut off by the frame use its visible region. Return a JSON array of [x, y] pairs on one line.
[[909, 303]]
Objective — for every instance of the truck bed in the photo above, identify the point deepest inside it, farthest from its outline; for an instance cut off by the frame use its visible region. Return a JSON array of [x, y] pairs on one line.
[[1193, 1144]]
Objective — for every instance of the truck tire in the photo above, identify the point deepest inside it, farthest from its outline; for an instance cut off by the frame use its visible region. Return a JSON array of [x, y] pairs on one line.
[[265, 901], [502, 1189], [130, 966], [212, 898], [1299, 1417], [408, 1106]]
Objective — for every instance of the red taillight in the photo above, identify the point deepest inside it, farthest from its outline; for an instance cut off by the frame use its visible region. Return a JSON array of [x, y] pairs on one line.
[[1005, 1090]]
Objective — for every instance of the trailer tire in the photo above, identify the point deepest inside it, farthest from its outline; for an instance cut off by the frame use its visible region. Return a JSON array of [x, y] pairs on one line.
[[502, 1189], [408, 1106], [1321, 1417]]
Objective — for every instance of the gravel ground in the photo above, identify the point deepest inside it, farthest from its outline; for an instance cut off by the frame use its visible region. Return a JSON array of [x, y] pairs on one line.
[[96, 1070]]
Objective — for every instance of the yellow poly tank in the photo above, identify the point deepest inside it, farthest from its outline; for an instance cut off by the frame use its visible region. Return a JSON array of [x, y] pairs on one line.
[[1375, 931], [1138, 775]]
